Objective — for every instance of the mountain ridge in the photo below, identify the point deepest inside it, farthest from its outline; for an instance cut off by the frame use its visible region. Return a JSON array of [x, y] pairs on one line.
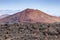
[[3, 16], [30, 15]]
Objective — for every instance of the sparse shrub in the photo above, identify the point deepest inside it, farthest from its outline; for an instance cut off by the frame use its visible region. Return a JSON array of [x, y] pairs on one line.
[[5, 24]]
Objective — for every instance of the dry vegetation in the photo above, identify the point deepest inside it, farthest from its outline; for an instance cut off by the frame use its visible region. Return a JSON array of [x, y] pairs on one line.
[[30, 31]]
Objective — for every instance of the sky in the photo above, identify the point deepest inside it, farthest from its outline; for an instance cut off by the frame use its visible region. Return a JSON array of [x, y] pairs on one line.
[[51, 7]]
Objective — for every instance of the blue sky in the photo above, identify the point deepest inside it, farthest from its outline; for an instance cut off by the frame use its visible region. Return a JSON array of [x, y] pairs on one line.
[[51, 7]]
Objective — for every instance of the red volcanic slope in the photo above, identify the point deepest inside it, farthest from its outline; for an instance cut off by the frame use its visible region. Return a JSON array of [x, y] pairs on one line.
[[30, 15]]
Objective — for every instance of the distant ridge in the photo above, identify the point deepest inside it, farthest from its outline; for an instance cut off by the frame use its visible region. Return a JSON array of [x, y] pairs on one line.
[[3, 16], [31, 16]]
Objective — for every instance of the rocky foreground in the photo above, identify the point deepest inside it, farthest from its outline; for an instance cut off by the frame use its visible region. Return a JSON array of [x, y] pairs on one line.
[[30, 31]]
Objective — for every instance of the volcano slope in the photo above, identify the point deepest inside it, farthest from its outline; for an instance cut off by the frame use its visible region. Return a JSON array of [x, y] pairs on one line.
[[30, 24], [30, 16]]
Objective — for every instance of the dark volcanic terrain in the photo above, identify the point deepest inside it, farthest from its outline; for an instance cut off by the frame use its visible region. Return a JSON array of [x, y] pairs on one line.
[[30, 31]]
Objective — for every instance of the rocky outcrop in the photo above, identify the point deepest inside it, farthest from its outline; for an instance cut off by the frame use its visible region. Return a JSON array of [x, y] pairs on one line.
[[30, 31]]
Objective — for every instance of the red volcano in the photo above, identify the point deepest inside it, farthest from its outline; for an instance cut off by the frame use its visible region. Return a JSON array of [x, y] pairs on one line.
[[30, 15]]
